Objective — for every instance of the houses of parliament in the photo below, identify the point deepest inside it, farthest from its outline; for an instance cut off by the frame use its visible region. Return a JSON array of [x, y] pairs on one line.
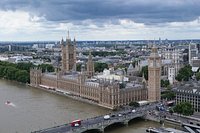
[[108, 89]]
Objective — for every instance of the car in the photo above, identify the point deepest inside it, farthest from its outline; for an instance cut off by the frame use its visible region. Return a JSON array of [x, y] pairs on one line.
[[133, 111], [119, 115], [76, 124], [113, 115], [106, 117]]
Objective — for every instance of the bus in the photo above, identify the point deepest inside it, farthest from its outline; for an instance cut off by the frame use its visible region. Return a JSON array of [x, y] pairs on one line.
[[142, 103], [170, 103], [76, 123]]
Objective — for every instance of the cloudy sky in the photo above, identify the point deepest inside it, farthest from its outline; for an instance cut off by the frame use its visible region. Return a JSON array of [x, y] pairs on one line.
[[33, 20]]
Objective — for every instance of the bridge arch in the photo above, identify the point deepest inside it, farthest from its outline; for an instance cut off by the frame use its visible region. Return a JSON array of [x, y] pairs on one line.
[[114, 126], [131, 121], [92, 131]]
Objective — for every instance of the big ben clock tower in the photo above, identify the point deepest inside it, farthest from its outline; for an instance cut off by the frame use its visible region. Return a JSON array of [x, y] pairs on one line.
[[154, 74]]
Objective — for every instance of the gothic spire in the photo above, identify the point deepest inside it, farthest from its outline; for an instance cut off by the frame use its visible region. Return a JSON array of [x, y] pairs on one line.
[[90, 55], [68, 37], [62, 41], [143, 78], [74, 39], [68, 34]]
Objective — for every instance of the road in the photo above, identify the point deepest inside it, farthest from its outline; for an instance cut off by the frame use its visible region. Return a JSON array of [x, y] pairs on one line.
[[99, 120]]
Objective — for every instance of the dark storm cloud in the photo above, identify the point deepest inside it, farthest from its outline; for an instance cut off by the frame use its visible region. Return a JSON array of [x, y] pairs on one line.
[[101, 11]]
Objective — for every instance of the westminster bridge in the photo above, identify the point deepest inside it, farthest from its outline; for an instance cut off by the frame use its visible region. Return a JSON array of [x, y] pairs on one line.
[[99, 124]]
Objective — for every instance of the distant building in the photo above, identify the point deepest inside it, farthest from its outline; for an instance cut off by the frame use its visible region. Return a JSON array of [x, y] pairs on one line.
[[189, 92], [172, 61], [20, 58], [171, 74], [193, 52], [17, 48], [133, 71], [195, 62], [49, 46]]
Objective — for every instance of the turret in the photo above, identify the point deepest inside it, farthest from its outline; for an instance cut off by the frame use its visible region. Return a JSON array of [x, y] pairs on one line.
[[144, 81], [62, 41], [74, 42], [90, 65], [68, 39], [35, 76], [130, 70]]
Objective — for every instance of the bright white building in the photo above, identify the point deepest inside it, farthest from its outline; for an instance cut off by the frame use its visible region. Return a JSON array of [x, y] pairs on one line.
[[171, 74], [108, 76]]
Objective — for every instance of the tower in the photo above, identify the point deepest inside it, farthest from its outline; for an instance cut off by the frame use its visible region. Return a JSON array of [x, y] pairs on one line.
[[90, 66], [68, 49], [130, 70], [35, 76], [154, 75]]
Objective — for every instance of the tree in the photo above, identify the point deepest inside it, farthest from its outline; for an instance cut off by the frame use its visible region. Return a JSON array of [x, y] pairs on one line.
[[169, 95], [78, 67], [10, 74], [171, 111], [18, 72], [198, 76], [22, 76], [164, 83], [145, 72], [184, 73], [99, 67], [2, 71], [134, 104], [46, 67], [184, 108], [24, 66], [105, 53], [5, 63]]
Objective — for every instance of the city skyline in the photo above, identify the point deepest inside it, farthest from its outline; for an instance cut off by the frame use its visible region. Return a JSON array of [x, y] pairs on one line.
[[22, 20]]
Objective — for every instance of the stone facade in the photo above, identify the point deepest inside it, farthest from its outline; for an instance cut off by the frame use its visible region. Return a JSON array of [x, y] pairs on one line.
[[189, 92], [154, 76], [90, 66], [105, 93], [68, 49]]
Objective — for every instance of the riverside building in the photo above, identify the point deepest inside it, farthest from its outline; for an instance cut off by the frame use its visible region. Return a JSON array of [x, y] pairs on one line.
[[110, 89]]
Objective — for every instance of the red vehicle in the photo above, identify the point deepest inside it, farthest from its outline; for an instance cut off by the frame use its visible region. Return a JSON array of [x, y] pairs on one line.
[[76, 123]]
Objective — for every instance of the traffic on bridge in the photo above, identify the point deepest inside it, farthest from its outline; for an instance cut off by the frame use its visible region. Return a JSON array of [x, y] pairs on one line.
[[101, 122]]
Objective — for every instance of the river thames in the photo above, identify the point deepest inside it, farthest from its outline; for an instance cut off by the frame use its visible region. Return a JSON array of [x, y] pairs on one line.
[[33, 109]]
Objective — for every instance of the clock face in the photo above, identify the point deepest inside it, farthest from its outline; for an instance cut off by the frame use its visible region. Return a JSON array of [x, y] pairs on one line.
[[151, 63], [154, 63], [157, 63]]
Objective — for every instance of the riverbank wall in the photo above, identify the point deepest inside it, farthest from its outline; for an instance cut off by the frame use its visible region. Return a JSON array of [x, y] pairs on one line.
[[69, 95]]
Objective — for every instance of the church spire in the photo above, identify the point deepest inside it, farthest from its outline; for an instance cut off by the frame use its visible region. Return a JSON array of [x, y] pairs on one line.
[[68, 39], [90, 56], [68, 34], [74, 39], [62, 41]]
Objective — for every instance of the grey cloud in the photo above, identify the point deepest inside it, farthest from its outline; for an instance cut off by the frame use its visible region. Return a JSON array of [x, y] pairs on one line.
[[103, 11]]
